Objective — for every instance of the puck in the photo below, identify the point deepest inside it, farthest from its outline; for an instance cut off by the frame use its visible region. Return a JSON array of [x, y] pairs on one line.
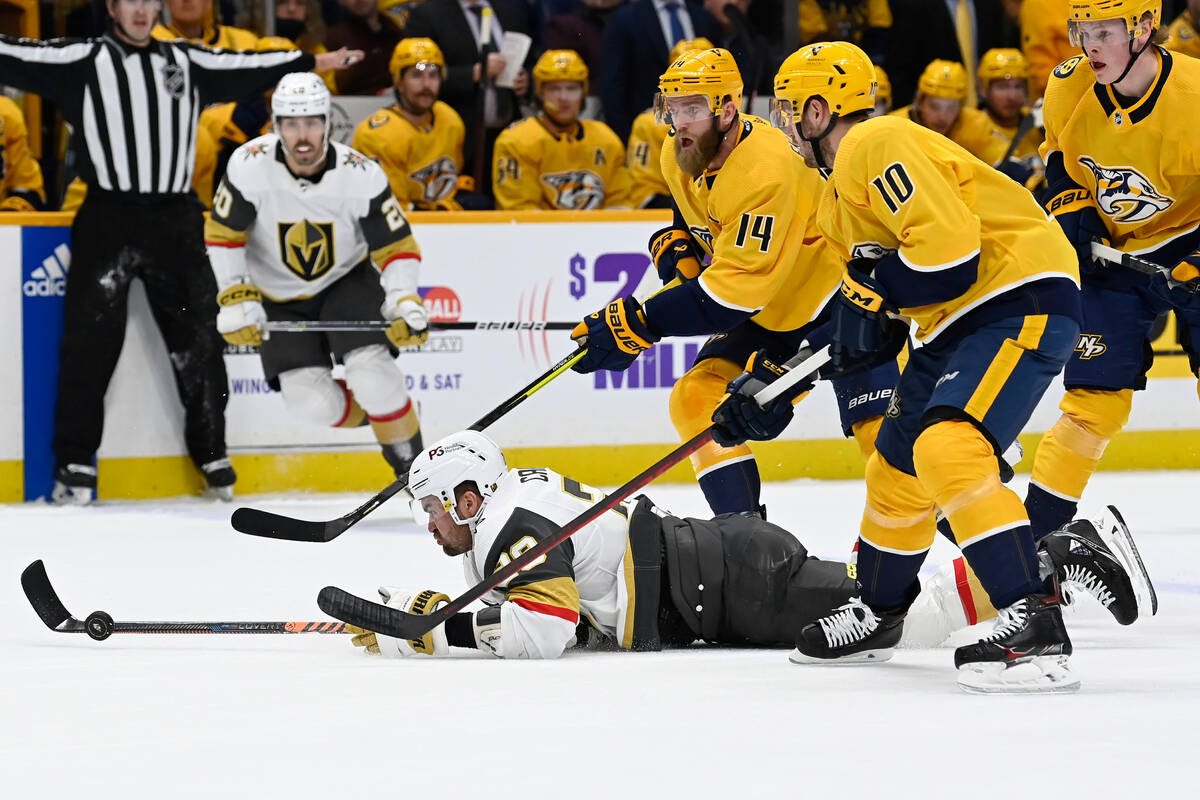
[[99, 625]]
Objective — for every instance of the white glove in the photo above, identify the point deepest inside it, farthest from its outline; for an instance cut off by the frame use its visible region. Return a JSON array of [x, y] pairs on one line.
[[433, 643], [410, 320], [485, 625], [241, 314]]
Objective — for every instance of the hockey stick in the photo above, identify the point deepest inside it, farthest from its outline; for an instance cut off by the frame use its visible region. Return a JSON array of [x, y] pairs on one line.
[[321, 326], [1123, 259], [100, 625], [398, 624], [1023, 129], [277, 526]]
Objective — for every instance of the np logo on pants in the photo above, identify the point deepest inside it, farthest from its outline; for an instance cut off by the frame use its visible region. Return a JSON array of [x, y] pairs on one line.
[[1090, 346]]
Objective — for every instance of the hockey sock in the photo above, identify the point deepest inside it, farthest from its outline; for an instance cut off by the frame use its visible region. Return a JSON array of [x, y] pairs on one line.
[[732, 486]]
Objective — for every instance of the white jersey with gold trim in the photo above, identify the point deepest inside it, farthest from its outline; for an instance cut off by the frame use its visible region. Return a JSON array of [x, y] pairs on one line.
[[590, 575]]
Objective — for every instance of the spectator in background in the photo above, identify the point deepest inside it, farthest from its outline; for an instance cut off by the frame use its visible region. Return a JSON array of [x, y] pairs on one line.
[[364, 28], [637, 42], [953, 30], [1183, 35], [582, 30], [419, 139], [21, 187], [939, 106], [863, 22], [883, 92], [196, 21], [1044, 39], [454, 26], [298, 21], [756, 58], [643, 155], [557, 161]]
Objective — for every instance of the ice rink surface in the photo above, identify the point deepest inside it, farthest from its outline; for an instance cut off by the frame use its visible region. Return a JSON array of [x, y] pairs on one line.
[[308, 716]]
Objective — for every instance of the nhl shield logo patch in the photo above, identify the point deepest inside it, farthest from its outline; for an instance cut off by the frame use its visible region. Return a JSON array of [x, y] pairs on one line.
[[173, 80]]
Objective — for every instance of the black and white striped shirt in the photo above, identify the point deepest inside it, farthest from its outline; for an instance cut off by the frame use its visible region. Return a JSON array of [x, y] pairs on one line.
[[134, 109]]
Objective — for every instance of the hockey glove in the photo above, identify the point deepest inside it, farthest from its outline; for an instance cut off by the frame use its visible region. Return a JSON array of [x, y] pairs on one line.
[[860, 325], [739, 418], [674, 253], [410, 320], [615, 336], [1076, 214], [480, 630], [432, 644], [240, 315], [1186, 274]]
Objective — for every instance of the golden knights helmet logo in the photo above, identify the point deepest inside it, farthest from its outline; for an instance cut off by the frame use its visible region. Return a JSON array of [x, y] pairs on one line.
[[576, 190], [306, 247], [1125, 194], [438, 180]]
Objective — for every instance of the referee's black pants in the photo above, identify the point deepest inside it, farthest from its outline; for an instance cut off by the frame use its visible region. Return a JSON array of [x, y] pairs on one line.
[[113, 241]]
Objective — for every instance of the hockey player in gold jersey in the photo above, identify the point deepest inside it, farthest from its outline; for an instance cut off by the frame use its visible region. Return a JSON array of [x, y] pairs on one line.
[[931, 236], [744, 200], [419, 139], [1044, 39], [940, 106], [646, 144], [1122, 166], [21, 187], [1183, 35], [1003, 75], [557, 161], [883, 92], [196, 21]]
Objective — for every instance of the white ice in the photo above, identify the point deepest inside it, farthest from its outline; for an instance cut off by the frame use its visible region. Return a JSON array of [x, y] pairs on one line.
[[308, 716]]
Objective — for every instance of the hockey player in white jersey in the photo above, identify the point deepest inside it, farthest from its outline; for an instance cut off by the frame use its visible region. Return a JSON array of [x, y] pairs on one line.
[[640, 579], [305, 228]]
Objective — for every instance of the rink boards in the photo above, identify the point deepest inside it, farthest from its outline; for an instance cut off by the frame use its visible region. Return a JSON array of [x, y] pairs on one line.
[[477, 266]]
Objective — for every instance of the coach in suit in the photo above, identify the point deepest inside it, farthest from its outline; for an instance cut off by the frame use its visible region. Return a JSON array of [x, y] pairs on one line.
[[637, 44], [923, 30], [455, 26]]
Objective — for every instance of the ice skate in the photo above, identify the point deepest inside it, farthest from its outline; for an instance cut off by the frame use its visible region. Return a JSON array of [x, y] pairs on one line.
[[220, 477], [74, 485], [851, 634]]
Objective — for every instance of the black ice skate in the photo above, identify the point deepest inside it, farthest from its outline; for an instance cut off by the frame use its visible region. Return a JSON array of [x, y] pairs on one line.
[[1027, 652], [219, 477], [400, 455], [74, 485], [1101, 559], [851, 634]]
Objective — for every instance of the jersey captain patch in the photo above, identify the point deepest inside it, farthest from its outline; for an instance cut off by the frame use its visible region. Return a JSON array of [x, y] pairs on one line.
[[438, 179], [1125, 194], [578, 190], [306, 247]]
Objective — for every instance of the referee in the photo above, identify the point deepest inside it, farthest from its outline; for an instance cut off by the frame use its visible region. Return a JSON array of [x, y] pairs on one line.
[[132, 102]]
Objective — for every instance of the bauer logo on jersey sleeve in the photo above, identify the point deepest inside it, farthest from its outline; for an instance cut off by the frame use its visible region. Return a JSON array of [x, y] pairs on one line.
[[306, 247], [1125, 194], [577, 190]]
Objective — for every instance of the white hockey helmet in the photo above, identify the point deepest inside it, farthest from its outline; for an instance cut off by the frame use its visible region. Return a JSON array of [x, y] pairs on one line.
[[302, 94], [441, 468]]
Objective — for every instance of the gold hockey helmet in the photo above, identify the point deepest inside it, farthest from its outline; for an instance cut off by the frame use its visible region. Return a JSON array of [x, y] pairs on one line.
[[840, 73], [883, 85], [943, 78], [1132, 11], [687, 46], [410, 52], [708, 73], [1002, 63], [559, 65]]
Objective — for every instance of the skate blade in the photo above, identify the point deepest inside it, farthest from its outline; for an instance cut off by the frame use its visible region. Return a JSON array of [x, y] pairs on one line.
[[1041, 675], [222, 494], [865, 657], [1115, 534], [62, 496]]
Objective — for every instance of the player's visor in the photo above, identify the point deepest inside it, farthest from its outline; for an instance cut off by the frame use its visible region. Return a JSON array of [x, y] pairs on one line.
[[428, 508], [783, 115], [1097, 32], [682, 109]]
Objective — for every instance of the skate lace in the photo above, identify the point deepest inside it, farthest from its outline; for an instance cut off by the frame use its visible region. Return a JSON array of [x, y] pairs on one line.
[[1009, 621], [1090, 582], [846, 626]]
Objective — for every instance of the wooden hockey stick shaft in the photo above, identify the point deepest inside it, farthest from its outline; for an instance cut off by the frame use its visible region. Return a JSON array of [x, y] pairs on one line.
[[342, 605]]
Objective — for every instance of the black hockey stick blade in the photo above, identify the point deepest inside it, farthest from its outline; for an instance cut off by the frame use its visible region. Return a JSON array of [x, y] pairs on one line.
[[277, 526], [41, 595], [398, 624]]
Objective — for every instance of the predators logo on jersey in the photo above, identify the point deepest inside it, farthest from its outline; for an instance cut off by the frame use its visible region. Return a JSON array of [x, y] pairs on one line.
[[307, 247], [1125, 194], [871, 250], [702, 234], [578, 190], [437, 179]]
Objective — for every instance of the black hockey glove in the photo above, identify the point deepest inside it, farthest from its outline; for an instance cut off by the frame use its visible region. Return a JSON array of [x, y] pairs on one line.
[[739, 418], [862, 333], [675, 254], [615, 336]]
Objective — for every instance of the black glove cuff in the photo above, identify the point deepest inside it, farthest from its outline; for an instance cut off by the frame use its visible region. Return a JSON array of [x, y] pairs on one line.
[[460, 630]]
